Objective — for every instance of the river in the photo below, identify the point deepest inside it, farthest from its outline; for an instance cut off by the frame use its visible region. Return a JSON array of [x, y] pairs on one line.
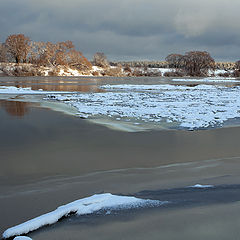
[[50, 158]]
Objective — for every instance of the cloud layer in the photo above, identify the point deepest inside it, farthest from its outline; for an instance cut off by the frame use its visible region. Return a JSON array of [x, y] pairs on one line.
[[129, 29]]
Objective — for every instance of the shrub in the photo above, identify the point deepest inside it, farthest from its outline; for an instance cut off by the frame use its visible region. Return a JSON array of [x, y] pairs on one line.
[[226, 74], [236, 73], [95, 73], [100, 60], [127, 69], [115, 72]]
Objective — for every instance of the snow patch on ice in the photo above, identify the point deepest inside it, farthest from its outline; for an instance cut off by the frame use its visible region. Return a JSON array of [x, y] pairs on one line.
[[83, 206]]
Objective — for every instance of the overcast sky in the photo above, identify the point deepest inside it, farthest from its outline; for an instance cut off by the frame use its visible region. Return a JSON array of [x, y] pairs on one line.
[[129, 29]]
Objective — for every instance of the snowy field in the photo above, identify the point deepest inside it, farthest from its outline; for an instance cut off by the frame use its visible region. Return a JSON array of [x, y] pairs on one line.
[[198, 107]]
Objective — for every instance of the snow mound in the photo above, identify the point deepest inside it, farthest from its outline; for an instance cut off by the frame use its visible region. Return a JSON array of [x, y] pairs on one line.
[[81, 207]]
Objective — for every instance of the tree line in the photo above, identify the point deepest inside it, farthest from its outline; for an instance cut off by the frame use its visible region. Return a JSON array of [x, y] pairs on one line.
[[196, 63], [19, 48]]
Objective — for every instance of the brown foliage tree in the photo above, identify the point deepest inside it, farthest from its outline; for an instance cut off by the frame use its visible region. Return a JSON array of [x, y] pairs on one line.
[[99, 59], [198, 63], [18, 47], [61, 53], [76, 60]]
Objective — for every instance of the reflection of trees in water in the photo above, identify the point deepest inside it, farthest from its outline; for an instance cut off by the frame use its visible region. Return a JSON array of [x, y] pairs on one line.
[[14, 108]]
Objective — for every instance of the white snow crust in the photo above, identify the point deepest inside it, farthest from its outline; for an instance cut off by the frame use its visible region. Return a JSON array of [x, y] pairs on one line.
[[22, 238], [83, 206], [202, 186], [187, 107]]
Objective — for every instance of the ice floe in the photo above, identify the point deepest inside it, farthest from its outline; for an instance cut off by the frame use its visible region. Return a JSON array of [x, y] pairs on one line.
[[186, 107], [83, 206]]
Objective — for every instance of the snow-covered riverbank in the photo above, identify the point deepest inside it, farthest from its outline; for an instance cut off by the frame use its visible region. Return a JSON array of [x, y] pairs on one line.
[[27, 69]]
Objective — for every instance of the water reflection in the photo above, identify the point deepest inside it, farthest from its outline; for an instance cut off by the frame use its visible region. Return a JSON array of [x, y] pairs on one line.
[[14, 108], [53, 84]]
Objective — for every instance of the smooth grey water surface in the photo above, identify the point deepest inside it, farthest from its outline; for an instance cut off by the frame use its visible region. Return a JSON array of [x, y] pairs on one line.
[[91, 84]]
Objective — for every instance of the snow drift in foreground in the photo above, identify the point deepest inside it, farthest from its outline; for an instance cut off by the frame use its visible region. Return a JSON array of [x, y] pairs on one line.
[[182, 106], [15, 90], [201, 186], [83, 206]]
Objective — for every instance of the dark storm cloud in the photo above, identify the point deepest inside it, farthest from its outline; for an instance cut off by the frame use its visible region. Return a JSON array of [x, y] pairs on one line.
[[129, 29]]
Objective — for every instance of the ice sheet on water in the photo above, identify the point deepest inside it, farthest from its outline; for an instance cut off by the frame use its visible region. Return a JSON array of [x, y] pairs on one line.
[[188, 107]]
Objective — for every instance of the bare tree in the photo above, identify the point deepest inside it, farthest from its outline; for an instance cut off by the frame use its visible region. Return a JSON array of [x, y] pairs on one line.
[[3, 53], [37, 51], [99, 59], [237, 65], [18, 47], [197, 63], [174, 60], [236, 72]]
